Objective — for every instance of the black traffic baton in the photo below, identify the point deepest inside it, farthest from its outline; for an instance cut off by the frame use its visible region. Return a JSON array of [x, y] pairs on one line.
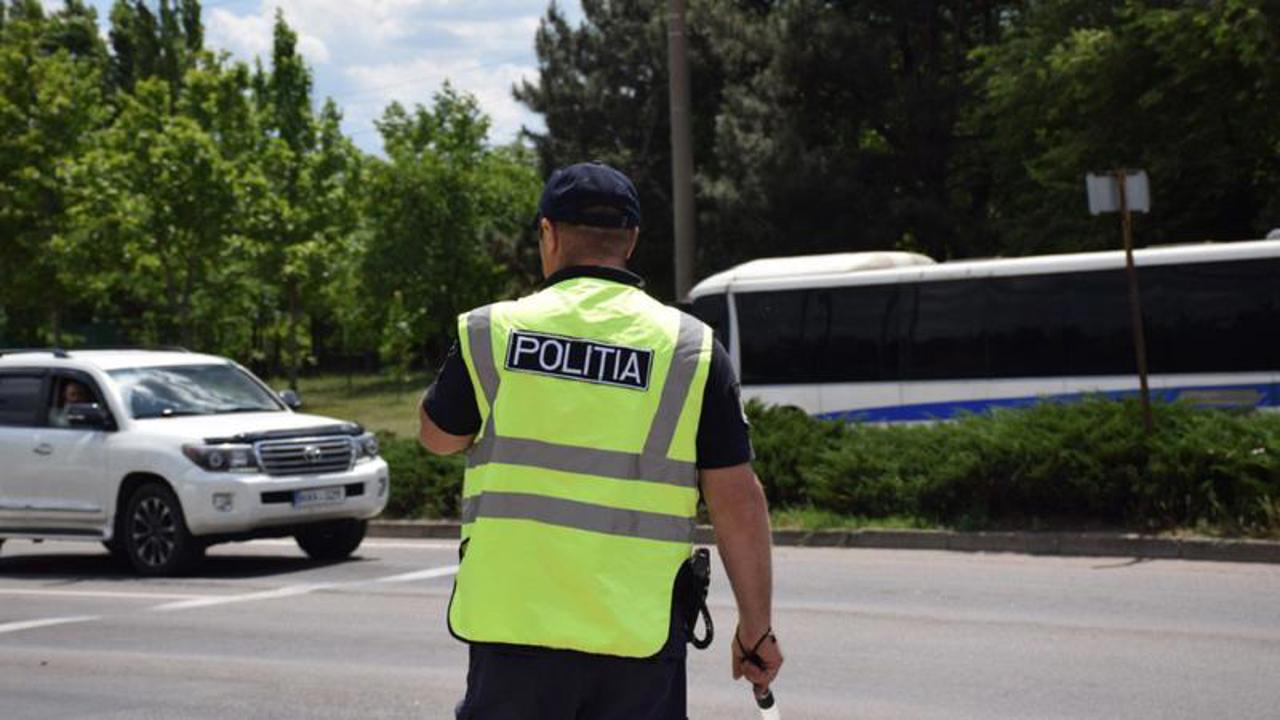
[[766, 702]]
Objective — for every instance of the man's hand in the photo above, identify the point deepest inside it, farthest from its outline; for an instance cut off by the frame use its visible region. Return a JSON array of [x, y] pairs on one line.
[[762, 667]]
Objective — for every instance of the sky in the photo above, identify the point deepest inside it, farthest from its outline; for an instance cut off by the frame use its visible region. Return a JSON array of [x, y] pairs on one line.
[[366, 53]]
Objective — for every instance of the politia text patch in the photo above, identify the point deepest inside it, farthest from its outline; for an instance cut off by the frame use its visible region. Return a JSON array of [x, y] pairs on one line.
[[579, 359]]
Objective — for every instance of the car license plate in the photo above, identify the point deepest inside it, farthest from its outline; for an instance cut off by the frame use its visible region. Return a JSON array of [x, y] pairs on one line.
[[318, 496]]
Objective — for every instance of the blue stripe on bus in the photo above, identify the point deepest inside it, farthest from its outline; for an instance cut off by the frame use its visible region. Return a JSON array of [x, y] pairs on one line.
[[1268, 395]]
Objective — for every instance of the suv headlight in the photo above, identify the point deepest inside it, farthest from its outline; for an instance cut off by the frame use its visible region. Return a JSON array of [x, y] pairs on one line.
[[222, 458], [367, 446]]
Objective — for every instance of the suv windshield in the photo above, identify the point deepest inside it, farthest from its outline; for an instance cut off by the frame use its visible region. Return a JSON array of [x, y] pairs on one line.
[[191, 390]]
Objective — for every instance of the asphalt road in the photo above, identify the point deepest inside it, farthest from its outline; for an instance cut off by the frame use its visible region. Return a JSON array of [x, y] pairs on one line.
[[262, 632]]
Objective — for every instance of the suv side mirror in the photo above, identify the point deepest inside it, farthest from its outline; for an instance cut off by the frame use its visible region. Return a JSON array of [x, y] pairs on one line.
[[88, 415], [290, 398]]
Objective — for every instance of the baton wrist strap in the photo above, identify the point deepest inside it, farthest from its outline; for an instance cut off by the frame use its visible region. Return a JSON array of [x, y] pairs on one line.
[[753, 656], [702, 643]]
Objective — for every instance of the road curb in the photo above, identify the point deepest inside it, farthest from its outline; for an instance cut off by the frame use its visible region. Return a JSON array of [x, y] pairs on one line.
[[1075, 544]]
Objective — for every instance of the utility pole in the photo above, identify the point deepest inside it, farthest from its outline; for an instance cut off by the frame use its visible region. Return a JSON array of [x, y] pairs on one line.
[[681, 149]]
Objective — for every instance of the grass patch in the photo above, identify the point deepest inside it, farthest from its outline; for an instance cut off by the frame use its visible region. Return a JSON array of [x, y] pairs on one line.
[[817, 519], [376, 402]]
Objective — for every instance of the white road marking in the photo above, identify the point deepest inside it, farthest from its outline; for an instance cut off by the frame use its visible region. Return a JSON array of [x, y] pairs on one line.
[[412, 544], [192, 602], [420, 575], [389, 544], [295, 590], [108, 594], [288, 591], [31, 624]]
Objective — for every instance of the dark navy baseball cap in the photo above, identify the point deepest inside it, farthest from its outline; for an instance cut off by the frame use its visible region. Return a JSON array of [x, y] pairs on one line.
[[591, 194]]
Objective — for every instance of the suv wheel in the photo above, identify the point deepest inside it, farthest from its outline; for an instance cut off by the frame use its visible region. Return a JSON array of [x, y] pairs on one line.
[[115, 546], [332, 541], [155, 539]]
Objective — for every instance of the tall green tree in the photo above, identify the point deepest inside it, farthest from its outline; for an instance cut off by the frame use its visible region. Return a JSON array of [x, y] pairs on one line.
[[1185, 91], [838, 126], [155, 221], [818, 125], [154, 192], [165, 43], [286, 230], [447, 207], [334, 294], [602, 90], [50, 103]]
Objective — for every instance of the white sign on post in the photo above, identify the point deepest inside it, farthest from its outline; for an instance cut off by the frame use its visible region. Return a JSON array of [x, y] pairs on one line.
[[1104, 192]]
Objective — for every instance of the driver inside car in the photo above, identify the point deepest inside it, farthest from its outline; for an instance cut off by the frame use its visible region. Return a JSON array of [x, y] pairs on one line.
[[71, 393]]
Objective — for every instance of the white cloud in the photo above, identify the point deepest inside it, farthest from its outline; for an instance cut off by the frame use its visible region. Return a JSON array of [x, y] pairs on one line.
[[369, 52], [365, 53], [250, 36], [493, 35], [415, 82]]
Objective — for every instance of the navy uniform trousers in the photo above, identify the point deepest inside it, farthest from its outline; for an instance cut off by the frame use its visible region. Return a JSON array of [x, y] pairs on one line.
[[511, 682]]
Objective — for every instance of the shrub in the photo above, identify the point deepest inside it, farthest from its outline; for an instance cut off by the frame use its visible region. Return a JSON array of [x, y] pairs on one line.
[[788, 446], [422, 485], [1215, 468], [1084, 463]]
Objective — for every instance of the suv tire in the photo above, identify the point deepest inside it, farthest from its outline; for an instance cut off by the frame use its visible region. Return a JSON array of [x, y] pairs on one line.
[[332, 541], [115, 546], [155, 539]]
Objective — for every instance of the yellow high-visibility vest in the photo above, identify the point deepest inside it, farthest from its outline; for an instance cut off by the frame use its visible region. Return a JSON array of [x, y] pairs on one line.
[[581, 488]]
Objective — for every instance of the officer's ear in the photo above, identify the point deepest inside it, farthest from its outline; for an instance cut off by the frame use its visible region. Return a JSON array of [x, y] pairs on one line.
[[547, 234], [548, 246], [631, 244]]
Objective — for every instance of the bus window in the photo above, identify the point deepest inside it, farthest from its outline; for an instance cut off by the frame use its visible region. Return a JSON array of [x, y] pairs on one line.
[[783, 336], [864, 338], [1212, 317], [1097, 327], [945, 327], [1025, 335], [714, 311]]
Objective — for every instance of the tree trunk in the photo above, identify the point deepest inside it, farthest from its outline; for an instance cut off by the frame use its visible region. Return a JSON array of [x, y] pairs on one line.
[[291, 337], [346, 351], [55, 325], [170, 291], [186, 330]]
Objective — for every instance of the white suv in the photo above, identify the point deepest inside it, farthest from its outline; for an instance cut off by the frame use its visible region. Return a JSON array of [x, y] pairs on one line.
[[159, 454]]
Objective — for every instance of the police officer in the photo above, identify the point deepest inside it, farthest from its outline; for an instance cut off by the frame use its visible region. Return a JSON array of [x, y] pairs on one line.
[[592, 415]]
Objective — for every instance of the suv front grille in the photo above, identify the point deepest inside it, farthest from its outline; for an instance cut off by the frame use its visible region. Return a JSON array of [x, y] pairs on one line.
[[306, 456]]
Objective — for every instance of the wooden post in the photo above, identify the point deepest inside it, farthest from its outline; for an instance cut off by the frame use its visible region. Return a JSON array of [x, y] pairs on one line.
[[1135, 304]]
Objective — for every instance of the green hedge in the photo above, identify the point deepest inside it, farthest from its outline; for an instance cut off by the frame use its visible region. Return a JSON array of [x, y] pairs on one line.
[[1079, 464], [1082, 464], [422, 485]]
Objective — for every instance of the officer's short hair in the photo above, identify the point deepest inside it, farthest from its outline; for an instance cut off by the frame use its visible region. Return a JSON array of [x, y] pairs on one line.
[[589, 239]]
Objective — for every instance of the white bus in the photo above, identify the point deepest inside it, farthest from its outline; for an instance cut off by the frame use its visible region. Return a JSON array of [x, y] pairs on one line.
[[890, 337]]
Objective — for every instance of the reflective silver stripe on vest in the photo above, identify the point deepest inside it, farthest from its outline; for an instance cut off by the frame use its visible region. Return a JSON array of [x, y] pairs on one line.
[[578, 515], [684, 364], [481, 342], [586, 461]]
